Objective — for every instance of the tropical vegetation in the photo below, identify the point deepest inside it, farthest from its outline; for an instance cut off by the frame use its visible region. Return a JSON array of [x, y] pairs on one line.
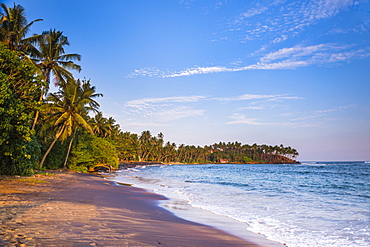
[[66, 129], [145, 147]]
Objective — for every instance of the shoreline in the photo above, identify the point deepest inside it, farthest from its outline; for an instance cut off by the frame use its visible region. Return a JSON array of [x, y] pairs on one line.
[[69, 209], [133, 164], [186, 211], [182, 209]]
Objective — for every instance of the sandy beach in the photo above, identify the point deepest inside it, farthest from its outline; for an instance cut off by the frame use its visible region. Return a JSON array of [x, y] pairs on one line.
[[72, 209]]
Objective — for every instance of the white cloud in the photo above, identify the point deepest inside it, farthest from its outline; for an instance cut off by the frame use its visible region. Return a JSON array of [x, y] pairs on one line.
[[164, 109], [280, 20], [177, 113], [280, 39], [306, 121], [285, 58], [299, 51], [258, 97], [247, 97], [279, 98], [253, 12], [198, 71], [320, 9], [176, 99], [322, 113], [172, 108], [242, 119], [143, 124], [150, 72], [250, 108]]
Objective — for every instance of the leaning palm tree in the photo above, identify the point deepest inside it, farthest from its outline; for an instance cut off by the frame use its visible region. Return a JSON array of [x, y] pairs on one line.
[[67, 110], [14, 27], [87, 93], [51, 59]]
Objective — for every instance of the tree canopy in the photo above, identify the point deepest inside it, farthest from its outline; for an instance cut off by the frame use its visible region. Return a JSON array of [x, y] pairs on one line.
[[19, 87]]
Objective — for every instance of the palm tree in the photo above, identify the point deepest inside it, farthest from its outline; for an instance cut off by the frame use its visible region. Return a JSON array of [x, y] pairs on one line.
[[100, 125], [51, 59], [14, 27], [87, 93], [115, 128], [67, 109]]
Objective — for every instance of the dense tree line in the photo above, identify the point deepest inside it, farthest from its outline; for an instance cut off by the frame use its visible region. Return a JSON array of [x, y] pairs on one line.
[[50, 130], [145, 147]]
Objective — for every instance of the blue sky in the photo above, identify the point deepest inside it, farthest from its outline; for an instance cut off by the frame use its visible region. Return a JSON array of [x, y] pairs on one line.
[[204, 71]]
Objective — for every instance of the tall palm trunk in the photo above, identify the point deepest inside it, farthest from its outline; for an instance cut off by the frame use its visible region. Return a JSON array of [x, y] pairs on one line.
[[43, 91], [69, 148], [51, 146], [37, 111]]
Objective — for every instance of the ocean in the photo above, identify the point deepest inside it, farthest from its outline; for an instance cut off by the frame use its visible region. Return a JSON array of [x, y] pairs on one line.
[[308, 204]]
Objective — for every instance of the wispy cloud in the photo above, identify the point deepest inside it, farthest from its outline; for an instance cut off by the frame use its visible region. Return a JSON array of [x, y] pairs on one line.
[[258, 97], [285, 58], [177, 113], [248, 97], [274, 22], [321, 113], [300, 51], [176, 99], [310, 119], [149, 72], [288, 18], [253, 12], [165, 108], [249, 108], [156, 112], [238, 118]]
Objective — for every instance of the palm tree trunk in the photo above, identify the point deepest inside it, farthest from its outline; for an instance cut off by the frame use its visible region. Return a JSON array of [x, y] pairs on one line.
[[43, 88], [69, 149], [37, 111], [51, 146], [35, 119]]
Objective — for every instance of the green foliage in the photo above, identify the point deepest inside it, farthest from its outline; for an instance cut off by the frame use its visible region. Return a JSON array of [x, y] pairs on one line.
[[67, 111], [19, 150], [146, 147], [56, 156], [246, 159], [90, 151]]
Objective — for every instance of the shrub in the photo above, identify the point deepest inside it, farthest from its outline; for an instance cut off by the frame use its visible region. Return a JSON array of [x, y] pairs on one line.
[[90, 151]]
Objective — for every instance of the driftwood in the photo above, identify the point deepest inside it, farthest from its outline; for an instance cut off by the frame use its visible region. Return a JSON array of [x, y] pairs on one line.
[[103, 168]]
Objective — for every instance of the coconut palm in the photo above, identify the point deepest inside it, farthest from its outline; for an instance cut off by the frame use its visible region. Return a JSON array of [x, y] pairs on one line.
[[51, 59], [67, 109], [115, 128], [87, 93], [14, 27], [100, 125]]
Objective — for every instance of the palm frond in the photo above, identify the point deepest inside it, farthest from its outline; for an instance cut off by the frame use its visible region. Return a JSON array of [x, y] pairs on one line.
[[62, 118], [67, 57]]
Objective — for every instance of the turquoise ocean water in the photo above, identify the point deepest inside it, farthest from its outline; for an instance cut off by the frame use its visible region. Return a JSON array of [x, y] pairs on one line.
[[308, 204]]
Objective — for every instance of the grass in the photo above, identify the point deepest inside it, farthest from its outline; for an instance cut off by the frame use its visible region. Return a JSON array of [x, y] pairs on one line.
[[33, 180], [44, 174], [29, 181]]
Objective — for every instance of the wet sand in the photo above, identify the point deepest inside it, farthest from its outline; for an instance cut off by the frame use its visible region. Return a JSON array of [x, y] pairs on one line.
[[72, 209]]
